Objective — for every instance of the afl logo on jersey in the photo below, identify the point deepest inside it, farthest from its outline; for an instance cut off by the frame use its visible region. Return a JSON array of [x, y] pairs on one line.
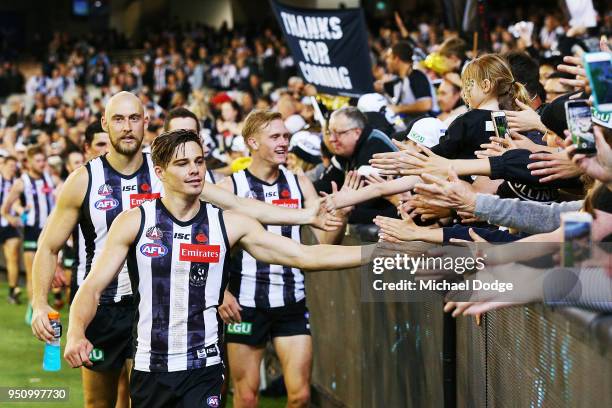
[[106, 204], [105, 190], [154, 233], [145, 187], [153, 250], [201, 237], [285, 193]]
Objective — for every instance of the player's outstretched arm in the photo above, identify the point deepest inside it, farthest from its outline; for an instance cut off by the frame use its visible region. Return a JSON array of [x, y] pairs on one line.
[[274, 249], [59, 226], [222, 196], [313, 201], [121, 235]]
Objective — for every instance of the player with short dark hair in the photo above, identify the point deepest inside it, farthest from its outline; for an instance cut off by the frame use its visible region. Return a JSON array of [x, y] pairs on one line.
[[177, 250]]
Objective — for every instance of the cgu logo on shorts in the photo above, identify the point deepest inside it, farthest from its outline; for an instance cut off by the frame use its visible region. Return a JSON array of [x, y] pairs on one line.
[[96, 355], [137, 199], [106, 204], [153, 250], [199, 253], [213, 401], [287, 202], [243, 328]]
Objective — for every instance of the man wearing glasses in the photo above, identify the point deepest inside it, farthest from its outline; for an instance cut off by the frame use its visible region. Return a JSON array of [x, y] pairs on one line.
[[353, 143]]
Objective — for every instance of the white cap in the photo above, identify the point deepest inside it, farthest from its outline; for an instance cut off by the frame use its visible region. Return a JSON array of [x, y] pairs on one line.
[[306, 145], [372, 102], [375, 102], [295, 123], [427, 131]]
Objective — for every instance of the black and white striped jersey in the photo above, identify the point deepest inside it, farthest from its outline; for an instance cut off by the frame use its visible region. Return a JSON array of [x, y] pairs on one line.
[[108, 194], [179, 272], [258, 284], [5, 187], [39, 199]]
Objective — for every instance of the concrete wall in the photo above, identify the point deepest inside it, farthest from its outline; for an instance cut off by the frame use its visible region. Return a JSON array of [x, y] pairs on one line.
[[211, 12], [129, 16]]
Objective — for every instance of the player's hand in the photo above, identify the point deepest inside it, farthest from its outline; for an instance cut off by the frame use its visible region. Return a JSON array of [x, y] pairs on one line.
[[59, 278], [323, 219], [230, 309], [14, 221], [41, 327], [352, 181], [77, 351]]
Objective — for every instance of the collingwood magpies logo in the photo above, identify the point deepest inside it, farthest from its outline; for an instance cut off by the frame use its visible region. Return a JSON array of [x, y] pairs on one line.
[[198, 275]]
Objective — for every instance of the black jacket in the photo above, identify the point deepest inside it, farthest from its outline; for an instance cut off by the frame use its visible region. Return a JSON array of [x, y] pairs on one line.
[[370, 142], [512, 167]]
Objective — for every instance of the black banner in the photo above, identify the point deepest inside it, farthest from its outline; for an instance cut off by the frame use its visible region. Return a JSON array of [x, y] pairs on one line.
[[330, 47]]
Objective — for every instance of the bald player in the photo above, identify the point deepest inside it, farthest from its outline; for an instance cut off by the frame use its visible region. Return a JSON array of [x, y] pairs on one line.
[[90, 200], [92, 197]]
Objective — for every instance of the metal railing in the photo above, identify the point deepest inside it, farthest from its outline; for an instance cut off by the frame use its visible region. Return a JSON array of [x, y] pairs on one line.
[[413, 355]]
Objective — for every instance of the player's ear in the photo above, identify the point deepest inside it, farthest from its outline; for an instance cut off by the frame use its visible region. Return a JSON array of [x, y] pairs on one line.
[[252, 142], [104, 123], [159, 172]]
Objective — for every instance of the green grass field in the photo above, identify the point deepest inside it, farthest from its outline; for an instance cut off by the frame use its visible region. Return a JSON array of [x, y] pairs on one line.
[[21, 360]]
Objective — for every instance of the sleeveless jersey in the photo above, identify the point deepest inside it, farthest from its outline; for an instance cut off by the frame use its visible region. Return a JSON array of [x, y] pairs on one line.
[[179, 272], [258, 284], [108, 194], [39, 199]]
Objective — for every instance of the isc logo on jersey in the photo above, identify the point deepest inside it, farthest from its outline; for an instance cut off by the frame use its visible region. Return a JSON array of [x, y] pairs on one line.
[[153, 250], [199, 253], [137, 199], [106, 204], [287, 202]]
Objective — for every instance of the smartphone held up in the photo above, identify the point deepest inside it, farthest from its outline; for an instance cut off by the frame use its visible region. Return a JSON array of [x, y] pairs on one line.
[[580, 126]]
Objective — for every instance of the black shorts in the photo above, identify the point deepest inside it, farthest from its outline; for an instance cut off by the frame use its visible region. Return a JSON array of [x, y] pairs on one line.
[[7, 233], [190, 388], [110, 332], [260, 325], [68, 257], [30, 238]]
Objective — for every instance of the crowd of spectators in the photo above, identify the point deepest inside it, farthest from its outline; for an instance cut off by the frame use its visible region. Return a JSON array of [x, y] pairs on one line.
[[431, 113]]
